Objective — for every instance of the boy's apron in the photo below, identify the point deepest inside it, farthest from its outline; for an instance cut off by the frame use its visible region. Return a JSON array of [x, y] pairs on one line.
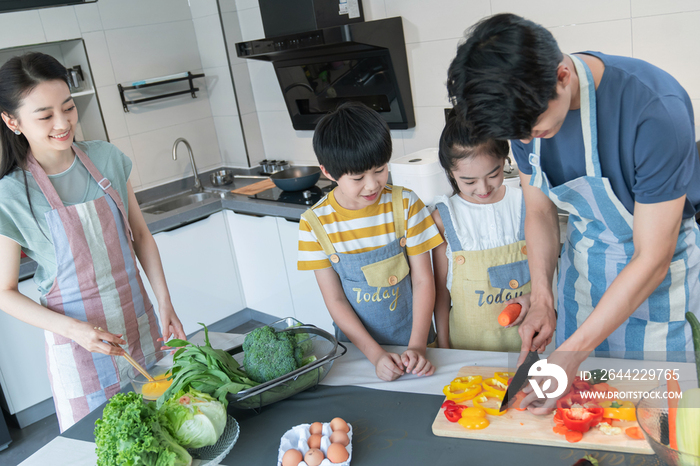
[[376, 283], [599, 244], [482, 281], [98, 282]]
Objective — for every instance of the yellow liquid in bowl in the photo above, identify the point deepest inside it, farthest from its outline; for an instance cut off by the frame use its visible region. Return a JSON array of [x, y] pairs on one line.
[[153, 390]]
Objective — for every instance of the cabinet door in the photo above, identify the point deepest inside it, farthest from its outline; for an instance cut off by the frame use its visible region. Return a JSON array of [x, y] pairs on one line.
[[200, 269], [25, 381], [256, 243], [306, 295]]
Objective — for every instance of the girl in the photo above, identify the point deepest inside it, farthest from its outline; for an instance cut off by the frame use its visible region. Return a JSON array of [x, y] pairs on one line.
[[70, 207], [482, 266]]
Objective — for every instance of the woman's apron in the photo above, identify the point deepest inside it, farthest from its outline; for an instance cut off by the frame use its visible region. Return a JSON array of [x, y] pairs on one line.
[[376, 283], [599, 244], [482, 281], [98, 282]]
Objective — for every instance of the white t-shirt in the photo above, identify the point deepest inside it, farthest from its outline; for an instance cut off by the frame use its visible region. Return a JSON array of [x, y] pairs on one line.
[[484, 226]]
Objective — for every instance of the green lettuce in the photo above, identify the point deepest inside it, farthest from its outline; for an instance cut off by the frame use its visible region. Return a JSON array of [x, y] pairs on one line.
[[193, 418]]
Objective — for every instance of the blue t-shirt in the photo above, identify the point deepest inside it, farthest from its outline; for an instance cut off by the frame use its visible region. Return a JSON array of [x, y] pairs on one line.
[[646, 138]]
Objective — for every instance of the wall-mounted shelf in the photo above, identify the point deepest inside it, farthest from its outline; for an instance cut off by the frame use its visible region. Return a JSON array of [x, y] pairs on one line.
[[157, 82], [82, 93]]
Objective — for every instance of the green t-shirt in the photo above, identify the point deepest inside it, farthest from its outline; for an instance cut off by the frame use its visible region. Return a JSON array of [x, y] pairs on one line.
[[18, 224]]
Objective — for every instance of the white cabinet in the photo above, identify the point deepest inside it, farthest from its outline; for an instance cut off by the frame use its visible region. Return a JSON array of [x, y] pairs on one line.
[[306, 295], [23, 374], [261, 266], [200, 269]]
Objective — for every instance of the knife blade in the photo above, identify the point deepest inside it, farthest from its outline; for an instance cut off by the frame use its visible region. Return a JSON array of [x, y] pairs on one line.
[[519, 378]]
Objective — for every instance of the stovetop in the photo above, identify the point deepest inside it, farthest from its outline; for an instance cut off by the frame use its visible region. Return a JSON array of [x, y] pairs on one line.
[[307, 197]]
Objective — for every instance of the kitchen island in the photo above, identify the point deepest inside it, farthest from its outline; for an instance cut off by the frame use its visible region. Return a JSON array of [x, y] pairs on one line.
[[391, 421]]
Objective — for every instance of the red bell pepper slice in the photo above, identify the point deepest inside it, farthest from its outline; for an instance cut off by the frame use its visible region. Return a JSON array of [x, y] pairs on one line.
[[453, 415], [581, 418], [448, 403]]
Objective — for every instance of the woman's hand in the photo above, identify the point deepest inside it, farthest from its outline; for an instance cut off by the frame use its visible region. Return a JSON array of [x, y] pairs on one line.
[[416, 363], [524, 301], [94, 339], [389, 367], [172, 327]]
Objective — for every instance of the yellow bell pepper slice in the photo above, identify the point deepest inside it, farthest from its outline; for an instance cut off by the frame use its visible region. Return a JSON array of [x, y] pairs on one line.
[[494, 386], [473, 422], [472, 411], [460, 395], [465, 382], [616, 409], [483, 398], [503, 376]]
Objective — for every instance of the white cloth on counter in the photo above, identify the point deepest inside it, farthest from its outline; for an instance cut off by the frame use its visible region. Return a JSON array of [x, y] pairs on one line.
[[224, 341]]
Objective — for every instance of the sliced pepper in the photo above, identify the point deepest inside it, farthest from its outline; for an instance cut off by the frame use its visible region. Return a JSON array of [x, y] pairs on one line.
[[459, 395], [483, 398], [580, 417], [473, 411], [494, 386], [622, 410], [474, 422], [466, 382], [453, 415], [503, 377]]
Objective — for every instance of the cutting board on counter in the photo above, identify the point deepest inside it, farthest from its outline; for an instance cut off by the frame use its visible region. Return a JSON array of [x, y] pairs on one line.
[[524, 427], [255, 188]]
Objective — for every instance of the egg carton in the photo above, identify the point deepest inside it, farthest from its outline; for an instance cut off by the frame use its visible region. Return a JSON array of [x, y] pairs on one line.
[[298, 437]]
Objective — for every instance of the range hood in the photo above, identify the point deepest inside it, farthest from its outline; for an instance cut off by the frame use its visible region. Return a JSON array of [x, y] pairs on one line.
[[318, 70]]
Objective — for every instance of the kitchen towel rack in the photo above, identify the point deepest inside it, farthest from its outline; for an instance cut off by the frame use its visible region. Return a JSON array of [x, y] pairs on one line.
[[157, 82]]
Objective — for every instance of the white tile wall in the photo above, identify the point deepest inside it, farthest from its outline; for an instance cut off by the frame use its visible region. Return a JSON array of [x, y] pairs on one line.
[[282, 142], [201, 8], [220, 89], [246, 4], [427, 66], [100, 60], [230, 135], [550, 13], [210, 40], [266, 87], [655, 7], [251, 24], [60, 23], [112, 112], [88, 16], [374, 9], [21, 28], [611, 37], [128, 13], [124, 145], [244, 88], [425, 24], [227, 5]]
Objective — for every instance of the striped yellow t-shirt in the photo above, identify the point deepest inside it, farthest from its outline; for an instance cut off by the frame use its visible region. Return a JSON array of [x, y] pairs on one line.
[[356, 231]]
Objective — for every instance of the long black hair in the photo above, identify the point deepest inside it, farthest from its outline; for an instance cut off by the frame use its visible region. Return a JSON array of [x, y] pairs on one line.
[[18, 77], [456, 143]]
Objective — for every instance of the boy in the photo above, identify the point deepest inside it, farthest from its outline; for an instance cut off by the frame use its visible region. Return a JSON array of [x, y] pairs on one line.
[[357, 245]]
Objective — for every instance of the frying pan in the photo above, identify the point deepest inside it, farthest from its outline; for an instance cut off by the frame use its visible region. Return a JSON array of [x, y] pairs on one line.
[[296, 178]]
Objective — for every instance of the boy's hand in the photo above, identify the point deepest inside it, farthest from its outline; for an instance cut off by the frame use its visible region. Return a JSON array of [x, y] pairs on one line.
[[389, 367], [524, 301], [416, 362]]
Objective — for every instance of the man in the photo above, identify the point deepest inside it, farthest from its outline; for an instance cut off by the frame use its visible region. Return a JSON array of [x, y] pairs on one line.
[[611, 141]]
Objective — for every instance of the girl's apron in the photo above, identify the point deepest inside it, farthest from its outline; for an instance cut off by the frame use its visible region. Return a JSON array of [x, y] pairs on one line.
[[482, 281], [98, 282], [376, 283], [599, 244]]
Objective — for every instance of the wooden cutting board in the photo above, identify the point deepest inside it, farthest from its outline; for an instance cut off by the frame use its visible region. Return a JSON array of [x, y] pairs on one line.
[[255, 188], [524, 427]]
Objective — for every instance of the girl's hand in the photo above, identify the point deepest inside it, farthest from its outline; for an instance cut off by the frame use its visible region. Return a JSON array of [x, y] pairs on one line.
[[524, 301], [94, 339], [416, 363], [389, 367], [172, 327]]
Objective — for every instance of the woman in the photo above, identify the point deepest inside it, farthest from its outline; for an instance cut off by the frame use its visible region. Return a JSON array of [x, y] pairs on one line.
[[70, 207], [611, 141]]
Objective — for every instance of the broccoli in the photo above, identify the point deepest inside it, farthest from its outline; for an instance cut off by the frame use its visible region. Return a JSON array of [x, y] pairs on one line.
[[268, 355]]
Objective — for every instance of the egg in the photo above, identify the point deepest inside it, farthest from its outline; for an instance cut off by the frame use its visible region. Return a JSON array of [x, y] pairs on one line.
[[339, 424], [340, 437], [337, 453], [292, 457], [153, 390], [315, 441], [314, 457], [316, 428]]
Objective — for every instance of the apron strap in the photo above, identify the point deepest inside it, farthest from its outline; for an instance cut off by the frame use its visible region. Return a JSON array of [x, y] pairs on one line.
[[106, 186], [398, 211], [589, 115], [45, 185], [321, 235], [450, 231], [521, 233]]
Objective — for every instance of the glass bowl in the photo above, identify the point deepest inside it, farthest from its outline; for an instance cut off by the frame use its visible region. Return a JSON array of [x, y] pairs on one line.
[[157, 365], [652, 415]]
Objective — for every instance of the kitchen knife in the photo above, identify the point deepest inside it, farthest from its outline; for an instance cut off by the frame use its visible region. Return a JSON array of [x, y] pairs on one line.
[[519, 379]]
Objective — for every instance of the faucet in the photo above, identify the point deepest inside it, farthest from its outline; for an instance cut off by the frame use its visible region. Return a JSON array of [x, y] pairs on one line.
[[197, 184]]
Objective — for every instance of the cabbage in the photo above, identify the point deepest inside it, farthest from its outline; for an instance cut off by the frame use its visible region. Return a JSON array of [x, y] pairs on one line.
[[687, 423], [193, 418]]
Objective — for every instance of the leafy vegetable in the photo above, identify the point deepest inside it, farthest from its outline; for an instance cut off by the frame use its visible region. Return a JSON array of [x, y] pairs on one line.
[[269, 355], [598, 376], [194, 419], [205, 369], [687, 422], [695, 328], [129, 434]]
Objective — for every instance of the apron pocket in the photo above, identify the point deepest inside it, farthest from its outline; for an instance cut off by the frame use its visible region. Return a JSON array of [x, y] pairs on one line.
[[388, 272], [509, 276]]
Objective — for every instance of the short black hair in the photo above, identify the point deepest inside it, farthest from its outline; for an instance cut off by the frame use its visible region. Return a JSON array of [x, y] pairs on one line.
[[352, 139], [504, 76], [456, 143]]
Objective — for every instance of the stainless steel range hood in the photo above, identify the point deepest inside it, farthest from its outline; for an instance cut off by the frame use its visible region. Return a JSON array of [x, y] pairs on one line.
[[318, 70]]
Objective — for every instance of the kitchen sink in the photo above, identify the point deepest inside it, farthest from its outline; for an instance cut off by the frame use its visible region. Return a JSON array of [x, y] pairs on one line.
[[175, 202]]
